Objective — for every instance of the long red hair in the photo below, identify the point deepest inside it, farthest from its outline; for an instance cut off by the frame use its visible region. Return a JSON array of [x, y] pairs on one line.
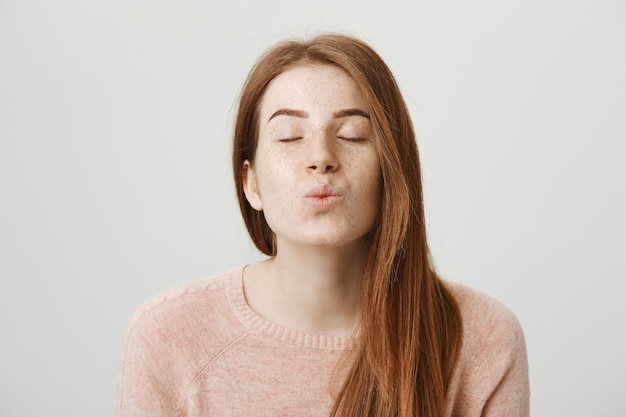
[[410, 325]]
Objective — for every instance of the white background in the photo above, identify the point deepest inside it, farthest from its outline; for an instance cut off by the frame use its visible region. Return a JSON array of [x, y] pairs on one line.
[[115, 183]]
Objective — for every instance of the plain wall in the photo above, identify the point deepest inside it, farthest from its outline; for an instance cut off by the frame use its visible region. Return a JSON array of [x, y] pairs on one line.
[[115, 183]]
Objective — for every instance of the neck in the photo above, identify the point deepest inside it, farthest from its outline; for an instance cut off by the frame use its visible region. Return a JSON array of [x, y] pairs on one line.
[[311, 289]]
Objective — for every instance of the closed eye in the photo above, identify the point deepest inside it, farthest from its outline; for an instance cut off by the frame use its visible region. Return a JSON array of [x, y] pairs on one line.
[[351, 139], [286, 140]]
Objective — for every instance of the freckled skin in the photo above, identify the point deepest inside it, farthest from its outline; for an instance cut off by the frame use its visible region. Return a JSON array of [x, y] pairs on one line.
[[315, 145]]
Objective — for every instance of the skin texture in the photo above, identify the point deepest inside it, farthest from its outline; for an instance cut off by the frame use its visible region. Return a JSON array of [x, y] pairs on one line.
[[317, 178], [306, 142]]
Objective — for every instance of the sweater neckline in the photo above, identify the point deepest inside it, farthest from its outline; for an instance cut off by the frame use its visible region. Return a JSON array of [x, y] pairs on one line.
[[252, 320]]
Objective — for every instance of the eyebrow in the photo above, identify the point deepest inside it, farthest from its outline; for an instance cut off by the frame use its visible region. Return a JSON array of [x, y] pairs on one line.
[[303, 115], [289, 112], [351, 112]]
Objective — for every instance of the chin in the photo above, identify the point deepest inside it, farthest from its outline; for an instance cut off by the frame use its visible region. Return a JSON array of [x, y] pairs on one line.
[[330, 242]]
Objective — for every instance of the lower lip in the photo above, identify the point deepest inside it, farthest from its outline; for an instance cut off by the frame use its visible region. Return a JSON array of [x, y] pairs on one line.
[[323, 203]]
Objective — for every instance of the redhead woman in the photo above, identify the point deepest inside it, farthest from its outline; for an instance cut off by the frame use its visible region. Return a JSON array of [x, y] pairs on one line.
[[346, 316]]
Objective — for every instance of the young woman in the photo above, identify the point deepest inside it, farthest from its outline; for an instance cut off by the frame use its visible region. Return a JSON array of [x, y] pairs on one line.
[[346, 317]]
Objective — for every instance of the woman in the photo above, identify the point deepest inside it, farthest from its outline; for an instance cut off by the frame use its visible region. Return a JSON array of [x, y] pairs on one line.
[[346, 317]]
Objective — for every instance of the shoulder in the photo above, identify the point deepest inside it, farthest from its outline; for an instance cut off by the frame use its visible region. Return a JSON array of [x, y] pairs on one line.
[[187, 312], [487, 322], [491, 373], [186, 294], [170, 338]]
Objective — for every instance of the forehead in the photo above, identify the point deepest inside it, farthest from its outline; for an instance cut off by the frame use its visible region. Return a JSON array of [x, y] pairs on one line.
[[313, 87]]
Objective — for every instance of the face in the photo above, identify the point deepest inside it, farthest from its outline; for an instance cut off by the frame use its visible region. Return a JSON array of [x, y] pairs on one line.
[[316, 173]]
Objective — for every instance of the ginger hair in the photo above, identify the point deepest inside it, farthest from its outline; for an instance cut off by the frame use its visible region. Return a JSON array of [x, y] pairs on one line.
[[409, 333]]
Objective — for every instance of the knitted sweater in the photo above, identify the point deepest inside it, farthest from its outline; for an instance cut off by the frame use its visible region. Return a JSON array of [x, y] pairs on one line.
[[199, 350]]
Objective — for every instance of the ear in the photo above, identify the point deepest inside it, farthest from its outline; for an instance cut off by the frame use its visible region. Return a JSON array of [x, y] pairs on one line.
[[250, 188]]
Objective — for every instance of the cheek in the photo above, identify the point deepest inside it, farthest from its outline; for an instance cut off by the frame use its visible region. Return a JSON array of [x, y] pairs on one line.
[[273, 183], [371, 174], [368, 182], [279, 206], [374, 192]]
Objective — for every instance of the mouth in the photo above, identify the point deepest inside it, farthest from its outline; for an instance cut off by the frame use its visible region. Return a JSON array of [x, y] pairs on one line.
[[321, 191], [323, 197]]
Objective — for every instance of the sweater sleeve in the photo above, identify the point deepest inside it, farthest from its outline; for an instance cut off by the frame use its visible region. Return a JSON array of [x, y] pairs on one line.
[[491, 376], [149, 380], [504, 366]]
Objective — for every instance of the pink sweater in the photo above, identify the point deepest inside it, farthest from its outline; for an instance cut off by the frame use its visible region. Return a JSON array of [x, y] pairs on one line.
[[199, 350]]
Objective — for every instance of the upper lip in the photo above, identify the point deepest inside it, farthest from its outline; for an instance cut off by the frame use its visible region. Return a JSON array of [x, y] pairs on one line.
[[322, 190]]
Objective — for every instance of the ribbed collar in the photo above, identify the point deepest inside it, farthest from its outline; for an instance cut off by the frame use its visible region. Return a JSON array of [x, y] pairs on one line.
[[237, 300]]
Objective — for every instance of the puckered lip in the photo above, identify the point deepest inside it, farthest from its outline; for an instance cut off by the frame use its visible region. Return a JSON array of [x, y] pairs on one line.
[[323, 197], [322, 191]]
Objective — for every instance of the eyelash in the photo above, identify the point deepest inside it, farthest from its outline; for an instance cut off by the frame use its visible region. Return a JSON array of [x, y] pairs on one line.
[[352, 139], [287, 140]]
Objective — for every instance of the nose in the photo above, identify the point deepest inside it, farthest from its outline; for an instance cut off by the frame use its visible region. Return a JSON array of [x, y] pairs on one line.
[[322, 155]]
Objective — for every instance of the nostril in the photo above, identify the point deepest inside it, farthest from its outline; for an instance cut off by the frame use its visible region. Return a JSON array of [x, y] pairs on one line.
[[322, 167]]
